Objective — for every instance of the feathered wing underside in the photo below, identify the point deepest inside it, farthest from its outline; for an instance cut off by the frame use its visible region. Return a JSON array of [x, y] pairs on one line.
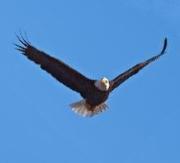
[[59, 70], [135, 69]]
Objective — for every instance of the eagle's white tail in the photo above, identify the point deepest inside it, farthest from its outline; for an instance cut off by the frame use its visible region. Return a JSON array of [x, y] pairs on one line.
[[83, 109]]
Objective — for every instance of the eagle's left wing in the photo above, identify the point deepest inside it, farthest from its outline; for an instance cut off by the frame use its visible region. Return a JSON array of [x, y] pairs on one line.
[[58, 69], [135, 69]]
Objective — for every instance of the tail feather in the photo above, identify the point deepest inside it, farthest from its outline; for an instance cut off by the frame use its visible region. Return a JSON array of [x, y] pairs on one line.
[[84, 109]]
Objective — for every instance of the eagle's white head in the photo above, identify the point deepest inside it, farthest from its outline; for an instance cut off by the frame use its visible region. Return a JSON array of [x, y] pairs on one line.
[[102, 84]]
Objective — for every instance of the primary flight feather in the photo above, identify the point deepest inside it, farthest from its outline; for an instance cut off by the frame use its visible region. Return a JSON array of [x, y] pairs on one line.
[[93, 92]]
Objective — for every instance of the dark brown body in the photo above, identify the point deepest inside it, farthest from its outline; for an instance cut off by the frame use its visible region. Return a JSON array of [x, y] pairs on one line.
[[94, 96]]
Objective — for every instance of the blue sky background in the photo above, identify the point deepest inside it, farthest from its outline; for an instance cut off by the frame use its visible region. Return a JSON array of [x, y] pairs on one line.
[[99, 38]]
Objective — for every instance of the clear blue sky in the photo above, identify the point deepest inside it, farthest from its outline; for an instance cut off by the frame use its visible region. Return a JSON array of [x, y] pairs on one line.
[[99, 38]]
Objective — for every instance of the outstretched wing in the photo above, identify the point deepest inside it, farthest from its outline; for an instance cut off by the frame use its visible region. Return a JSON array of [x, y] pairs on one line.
[[135, 69], [59, 70]]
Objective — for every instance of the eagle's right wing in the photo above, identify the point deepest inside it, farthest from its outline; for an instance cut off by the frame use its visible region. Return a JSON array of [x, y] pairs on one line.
[[59, 70], [135, 69]]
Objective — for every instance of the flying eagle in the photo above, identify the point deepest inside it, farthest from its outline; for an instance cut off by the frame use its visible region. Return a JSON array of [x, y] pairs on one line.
[[93, 92]]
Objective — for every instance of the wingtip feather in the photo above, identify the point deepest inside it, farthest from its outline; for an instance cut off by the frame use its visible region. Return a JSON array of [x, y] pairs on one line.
[[24, 44], [164, 46]]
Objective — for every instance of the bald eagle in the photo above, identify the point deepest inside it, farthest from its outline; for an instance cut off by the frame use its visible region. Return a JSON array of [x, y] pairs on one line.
[[94, 92]]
